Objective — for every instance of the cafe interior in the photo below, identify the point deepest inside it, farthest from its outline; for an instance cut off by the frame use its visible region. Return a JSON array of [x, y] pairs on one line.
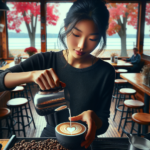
[[130, 107]]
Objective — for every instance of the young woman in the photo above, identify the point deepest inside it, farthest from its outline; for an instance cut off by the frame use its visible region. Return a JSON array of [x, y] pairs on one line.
[[88, 79]]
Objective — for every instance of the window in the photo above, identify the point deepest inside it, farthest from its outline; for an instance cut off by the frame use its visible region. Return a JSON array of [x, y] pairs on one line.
[[54, 24], [146, 47], [122, 31], [23, 22]]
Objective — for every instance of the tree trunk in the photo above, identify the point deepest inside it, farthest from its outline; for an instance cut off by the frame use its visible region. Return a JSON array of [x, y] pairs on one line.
[[122, 34], [32, 30], [32, 40], [123, 45]]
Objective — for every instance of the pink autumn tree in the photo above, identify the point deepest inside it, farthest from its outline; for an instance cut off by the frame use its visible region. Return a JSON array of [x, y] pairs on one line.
[[121, 15], [29, 13]]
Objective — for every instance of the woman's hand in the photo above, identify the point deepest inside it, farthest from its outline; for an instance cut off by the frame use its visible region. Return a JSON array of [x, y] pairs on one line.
[[87, 116], [46, 79]]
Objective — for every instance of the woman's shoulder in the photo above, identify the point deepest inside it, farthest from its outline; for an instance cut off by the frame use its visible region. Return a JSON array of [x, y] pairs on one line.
[[48, 54], [107, 64]]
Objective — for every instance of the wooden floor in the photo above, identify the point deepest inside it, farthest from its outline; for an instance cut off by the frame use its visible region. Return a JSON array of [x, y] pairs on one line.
[[41, 123]]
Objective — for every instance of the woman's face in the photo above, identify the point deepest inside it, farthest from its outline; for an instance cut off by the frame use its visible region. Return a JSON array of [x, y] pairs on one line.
[[83, 39]]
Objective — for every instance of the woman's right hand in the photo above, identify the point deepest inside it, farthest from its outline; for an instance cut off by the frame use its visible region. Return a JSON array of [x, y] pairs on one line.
[[46, 79]]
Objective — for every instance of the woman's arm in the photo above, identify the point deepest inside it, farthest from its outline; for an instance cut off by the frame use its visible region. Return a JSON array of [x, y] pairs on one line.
[[13, 79]]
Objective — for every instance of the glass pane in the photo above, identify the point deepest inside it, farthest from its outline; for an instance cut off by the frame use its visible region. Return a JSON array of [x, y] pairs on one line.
[[122, 31], [23, 21], [146, 47], [54, 25]]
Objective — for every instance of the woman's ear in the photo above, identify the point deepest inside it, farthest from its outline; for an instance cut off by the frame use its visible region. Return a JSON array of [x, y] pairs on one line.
[[65, 28]]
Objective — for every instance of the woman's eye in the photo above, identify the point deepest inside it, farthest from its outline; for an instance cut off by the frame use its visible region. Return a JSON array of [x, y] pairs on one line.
[[75, 35], [93, 39]]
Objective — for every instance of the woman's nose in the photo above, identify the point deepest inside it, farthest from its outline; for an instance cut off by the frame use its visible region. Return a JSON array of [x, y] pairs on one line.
[[82, 43]]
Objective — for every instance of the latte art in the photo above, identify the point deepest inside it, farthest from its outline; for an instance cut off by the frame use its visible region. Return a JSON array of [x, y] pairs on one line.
[[75, 129]]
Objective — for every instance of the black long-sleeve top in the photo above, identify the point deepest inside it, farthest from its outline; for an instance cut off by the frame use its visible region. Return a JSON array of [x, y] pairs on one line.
[[89, 88]]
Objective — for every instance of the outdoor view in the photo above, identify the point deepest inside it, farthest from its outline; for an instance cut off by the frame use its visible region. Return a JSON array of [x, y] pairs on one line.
[[24, 27], [146, 47]]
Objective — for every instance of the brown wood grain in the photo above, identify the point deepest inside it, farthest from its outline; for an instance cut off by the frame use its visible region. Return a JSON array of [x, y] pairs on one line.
[[4, 97], [141, 118], [4, 37], [43, 25], [10, 64], [136, 80], [140, 26], [4, 142], [4, 112], [120, 63]]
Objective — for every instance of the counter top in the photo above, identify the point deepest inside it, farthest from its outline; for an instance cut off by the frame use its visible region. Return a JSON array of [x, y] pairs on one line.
[[103, 143], [4, 142]]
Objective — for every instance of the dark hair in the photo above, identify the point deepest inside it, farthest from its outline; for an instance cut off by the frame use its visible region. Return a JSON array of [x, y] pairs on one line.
[[87, 9], [135, 48]]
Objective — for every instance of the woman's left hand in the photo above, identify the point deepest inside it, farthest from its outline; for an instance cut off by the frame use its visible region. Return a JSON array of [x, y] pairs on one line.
[[86, 116]]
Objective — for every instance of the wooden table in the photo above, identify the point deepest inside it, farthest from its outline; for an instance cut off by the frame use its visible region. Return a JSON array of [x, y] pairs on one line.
[[136, 80], [120, 63], [4, 142], [97, 144], [9, 65]]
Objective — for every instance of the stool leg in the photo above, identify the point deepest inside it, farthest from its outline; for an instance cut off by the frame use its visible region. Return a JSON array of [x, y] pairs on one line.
[[18, 121], [9, 129], [25, 107], [23, 125], [125, 122], [132, 127], [139, 129], [121, 118], [27, 114], [114, 91], [30, 91], [11, 123], [116, 108], [11, 95], [26, 93], [31, 113], [116, 97]]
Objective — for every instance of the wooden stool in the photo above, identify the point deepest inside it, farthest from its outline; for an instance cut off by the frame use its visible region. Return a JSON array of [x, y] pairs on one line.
[[132, 106], [16, 104], [123, 93], [19, 92], [5, 114], [29, 89], [26, 91], [119, 83], [118, 71], [140, 119]]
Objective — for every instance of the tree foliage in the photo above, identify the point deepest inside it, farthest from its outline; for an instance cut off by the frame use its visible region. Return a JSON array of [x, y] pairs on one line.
[[29, 13]]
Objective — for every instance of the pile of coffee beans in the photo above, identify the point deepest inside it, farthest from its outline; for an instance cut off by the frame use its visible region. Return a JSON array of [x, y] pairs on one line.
[[49, 144]]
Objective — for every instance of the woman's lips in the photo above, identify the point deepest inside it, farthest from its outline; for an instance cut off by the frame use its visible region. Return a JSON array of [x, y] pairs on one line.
[[79, 53]]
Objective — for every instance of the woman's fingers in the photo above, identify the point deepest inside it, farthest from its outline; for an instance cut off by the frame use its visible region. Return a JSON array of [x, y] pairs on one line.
[[55, 78], [89, 143], [90, 136], [47, 79], [91, 128], [40, 83]]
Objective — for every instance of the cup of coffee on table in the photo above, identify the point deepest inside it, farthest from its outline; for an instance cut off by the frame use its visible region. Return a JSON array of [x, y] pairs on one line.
[[72, 136]]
